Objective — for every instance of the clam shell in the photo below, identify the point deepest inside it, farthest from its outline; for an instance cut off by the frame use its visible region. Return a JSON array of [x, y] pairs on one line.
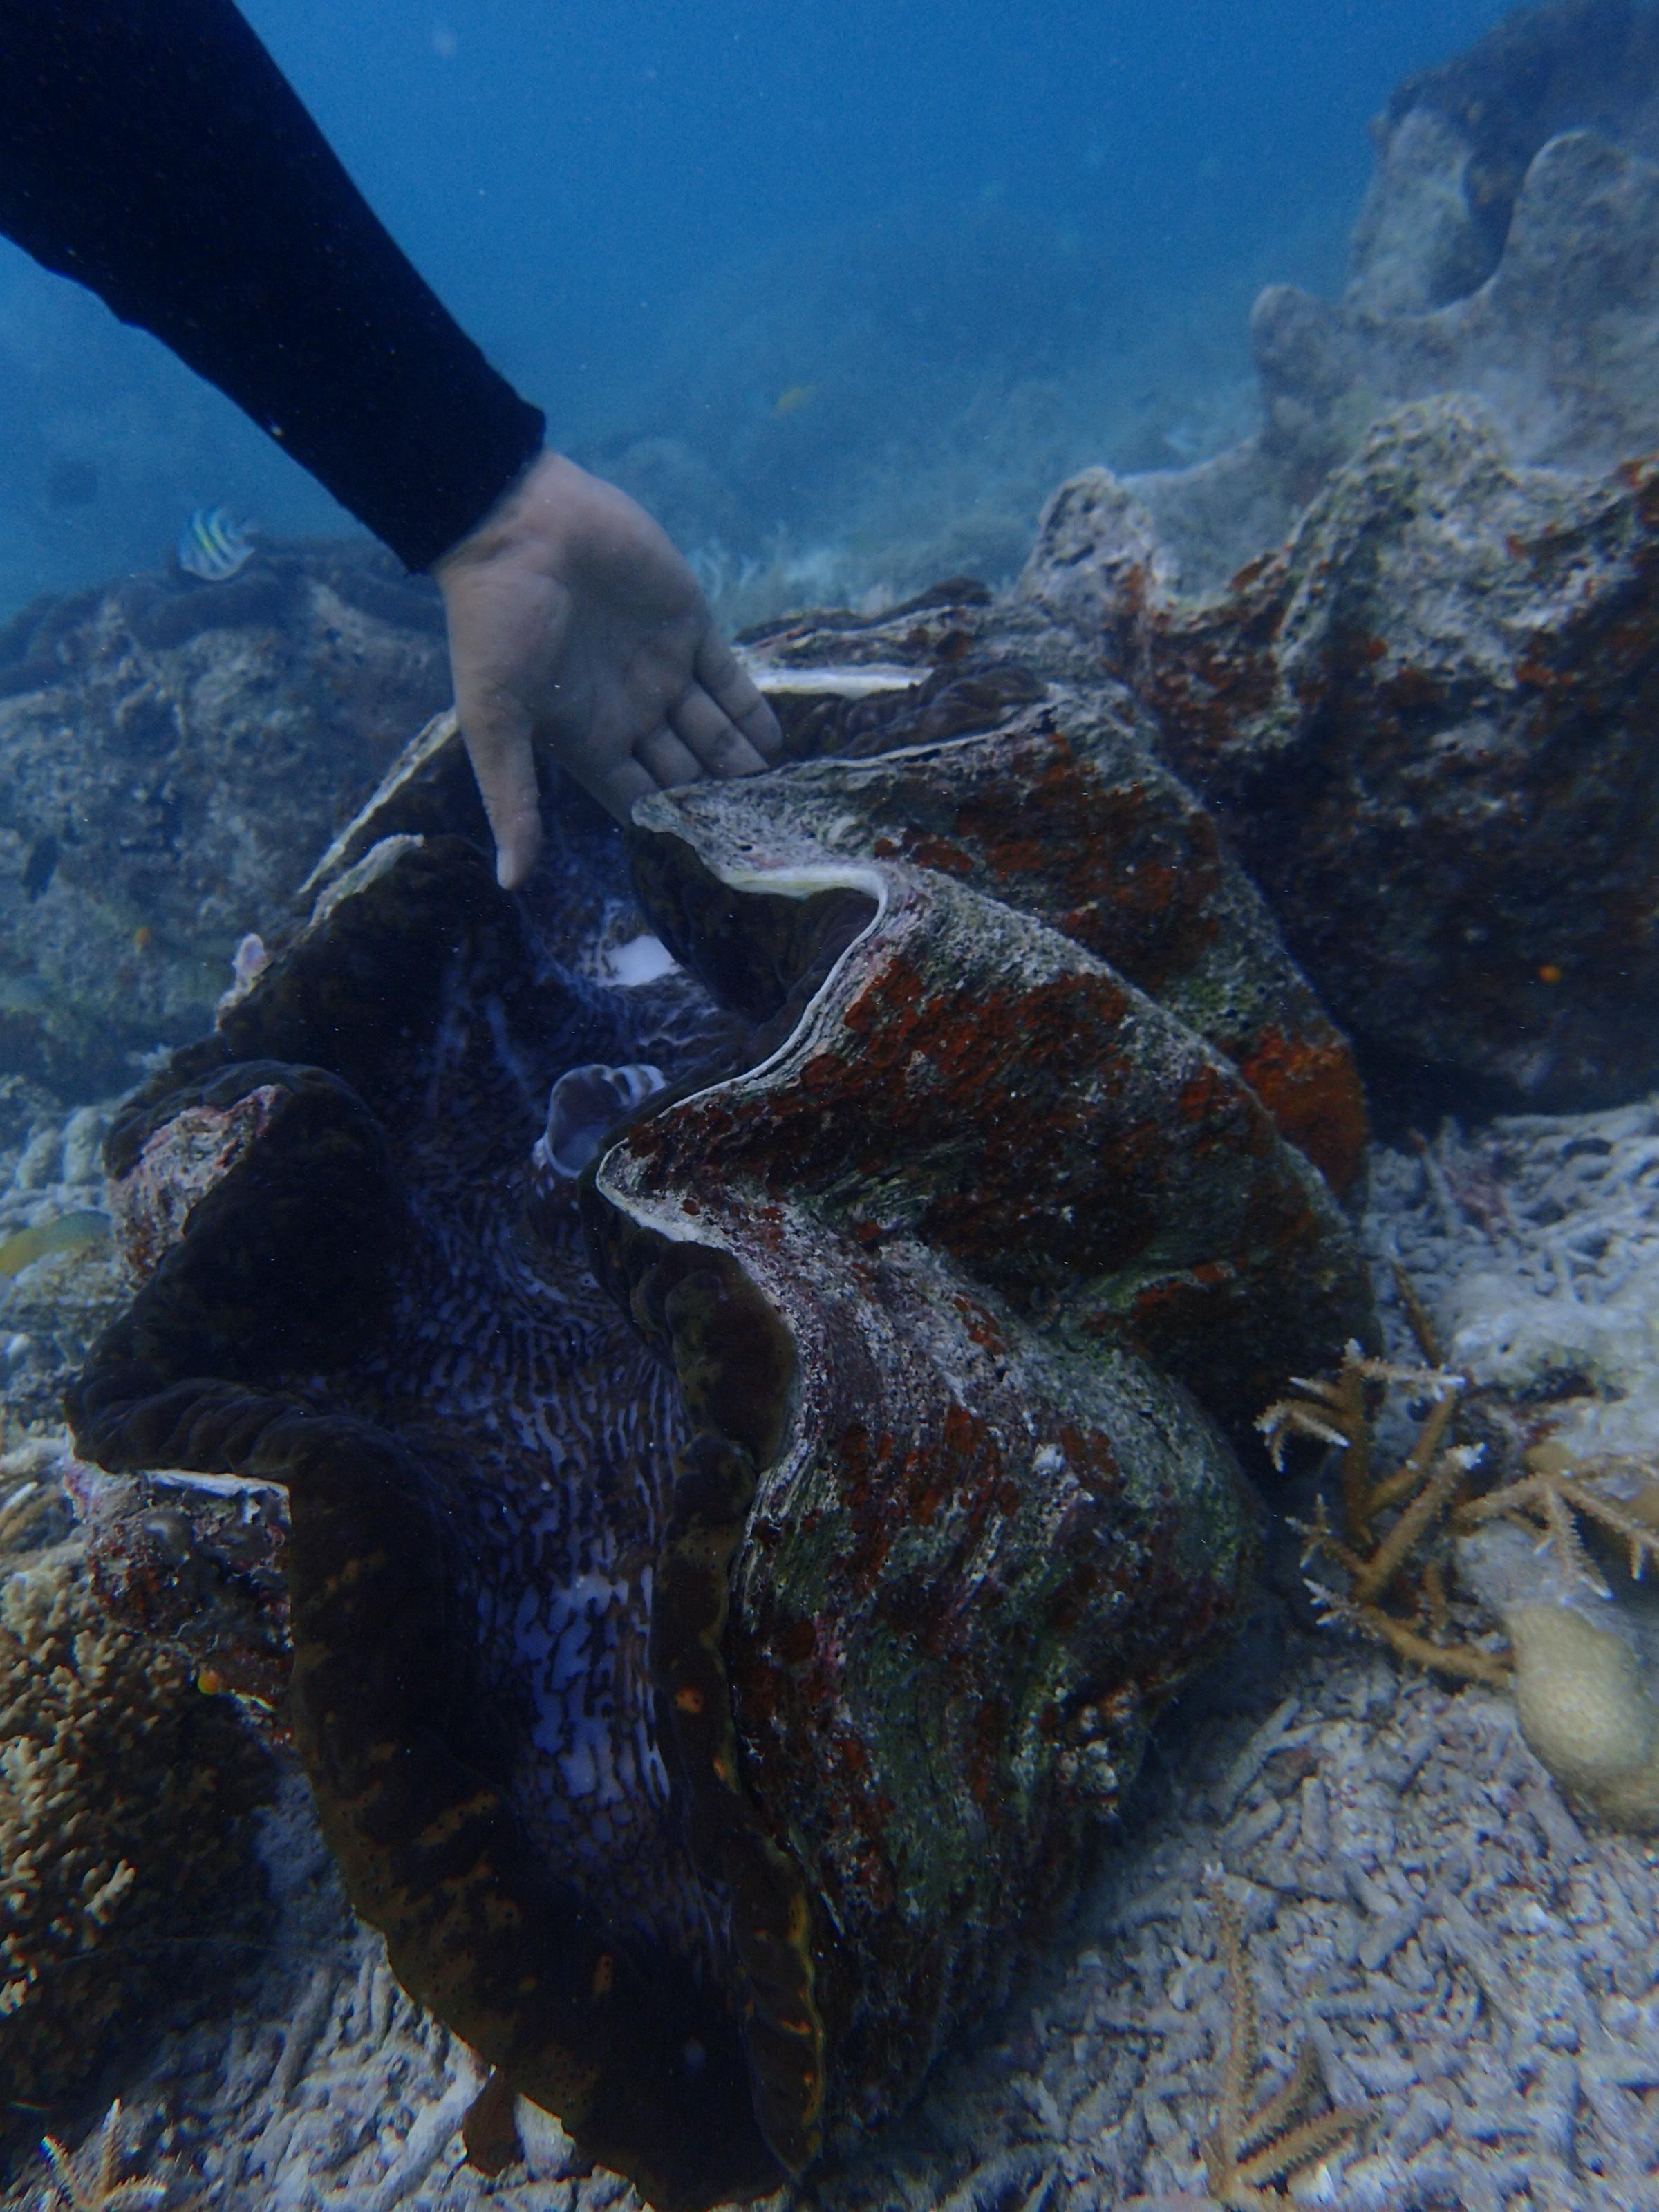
[[730, 1589]]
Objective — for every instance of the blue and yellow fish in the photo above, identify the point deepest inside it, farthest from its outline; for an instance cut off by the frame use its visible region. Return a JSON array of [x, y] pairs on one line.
[[211, 546]]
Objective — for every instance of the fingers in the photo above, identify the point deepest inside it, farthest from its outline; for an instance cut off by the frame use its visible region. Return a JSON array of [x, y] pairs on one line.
[[666, 760], [498, 745], [735, 693], [620, 786], [708, 733]]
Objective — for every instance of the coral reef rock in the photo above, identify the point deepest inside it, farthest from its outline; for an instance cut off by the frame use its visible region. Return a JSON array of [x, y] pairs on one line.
[[1584, 1674], [123, 1796], [174, 754], [1426, 722], [730, 1588], [1402, 636], [1506, 249], [195, 1562]]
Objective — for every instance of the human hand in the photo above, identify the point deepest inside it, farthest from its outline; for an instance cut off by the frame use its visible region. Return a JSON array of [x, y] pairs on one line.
[[575, 623]]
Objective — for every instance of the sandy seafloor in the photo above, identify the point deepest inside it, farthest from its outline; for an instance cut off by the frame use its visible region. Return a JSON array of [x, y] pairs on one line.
[[1472, 1958]]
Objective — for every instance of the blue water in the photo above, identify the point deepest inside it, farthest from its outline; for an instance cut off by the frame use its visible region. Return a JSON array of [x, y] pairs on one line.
[[846, 285]]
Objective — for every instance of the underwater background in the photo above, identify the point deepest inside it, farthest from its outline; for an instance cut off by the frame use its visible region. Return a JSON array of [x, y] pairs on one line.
[[934, 1487], [840, 293]]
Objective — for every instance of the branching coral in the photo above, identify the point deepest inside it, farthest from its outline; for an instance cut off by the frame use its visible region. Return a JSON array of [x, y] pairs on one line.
[[1390, 1520], [1248, 2156], [1583, 1705], [121, 1789], [1556, 1488], [1387, 1519], [88, 2179]]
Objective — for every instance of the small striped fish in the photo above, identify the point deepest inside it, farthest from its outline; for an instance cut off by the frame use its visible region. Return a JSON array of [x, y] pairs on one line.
[[213, 547]]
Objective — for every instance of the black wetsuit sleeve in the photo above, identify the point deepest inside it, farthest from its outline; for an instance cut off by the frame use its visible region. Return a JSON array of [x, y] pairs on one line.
[[153, 149]]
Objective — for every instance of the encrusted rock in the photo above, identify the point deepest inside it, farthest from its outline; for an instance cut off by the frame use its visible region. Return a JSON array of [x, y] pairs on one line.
[[1427, 722], [122, 1792], [1506, 249]]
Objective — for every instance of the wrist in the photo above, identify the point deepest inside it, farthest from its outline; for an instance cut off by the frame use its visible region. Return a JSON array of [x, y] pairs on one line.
[[521, 513]]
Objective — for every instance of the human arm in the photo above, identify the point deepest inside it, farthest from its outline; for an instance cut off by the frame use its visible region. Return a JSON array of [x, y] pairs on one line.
[[153, 151]]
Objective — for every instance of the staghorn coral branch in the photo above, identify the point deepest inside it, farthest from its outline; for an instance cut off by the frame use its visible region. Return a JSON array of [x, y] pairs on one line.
[[1467, 1662], [1288, 1417], [87, 2179], [1414, 1467], [1320, 1540], [1410, 1503], [1244, 2027], [1283, 2110], [1545, 1496], [1249, 2155], [1444, 1479], [1435, 1600], [1416, 1317]]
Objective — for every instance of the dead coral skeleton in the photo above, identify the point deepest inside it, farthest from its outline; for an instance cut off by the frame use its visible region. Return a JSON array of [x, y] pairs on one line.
[[1250, 2156], [86, 2180]]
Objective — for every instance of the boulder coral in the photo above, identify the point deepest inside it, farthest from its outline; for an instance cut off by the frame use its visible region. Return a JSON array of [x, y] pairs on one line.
[[1585, 1710]]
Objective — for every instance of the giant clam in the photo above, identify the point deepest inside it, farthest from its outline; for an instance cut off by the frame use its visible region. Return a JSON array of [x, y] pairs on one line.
[[731, 1581]]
